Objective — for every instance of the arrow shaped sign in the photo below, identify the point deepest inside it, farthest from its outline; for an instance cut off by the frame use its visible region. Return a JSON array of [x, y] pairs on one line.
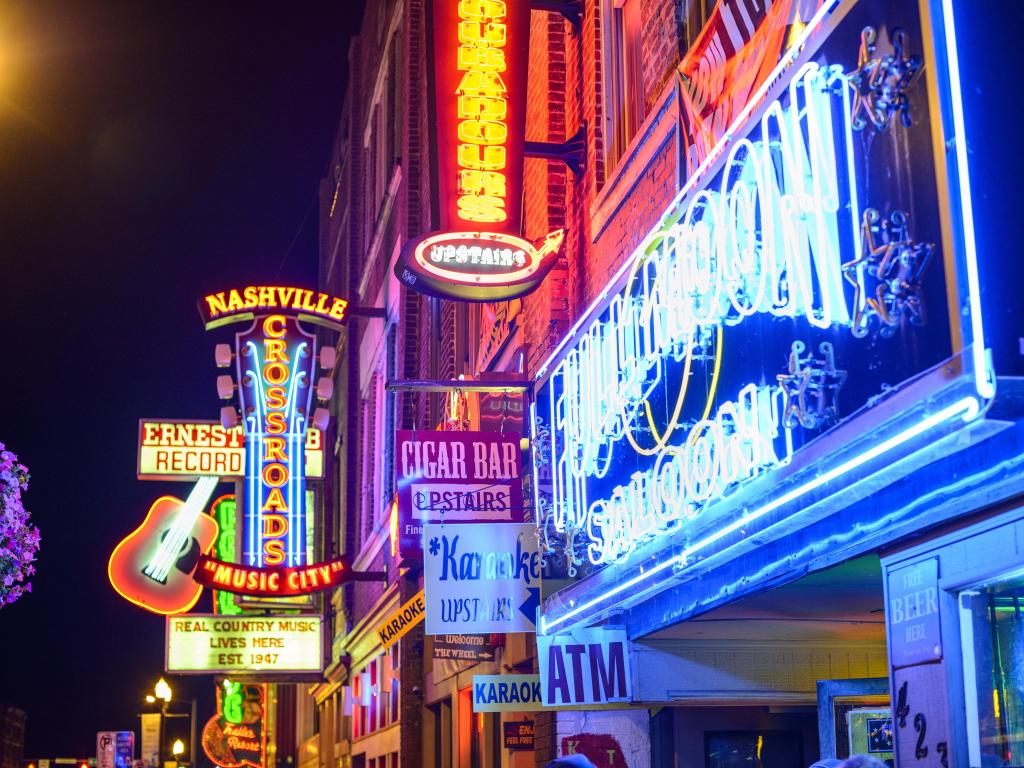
[[480, 578]]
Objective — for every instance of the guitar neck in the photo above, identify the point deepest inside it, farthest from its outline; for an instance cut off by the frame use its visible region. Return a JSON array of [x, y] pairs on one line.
[[177, 535]]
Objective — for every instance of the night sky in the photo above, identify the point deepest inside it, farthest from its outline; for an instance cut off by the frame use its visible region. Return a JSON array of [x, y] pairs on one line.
[[149, 152]]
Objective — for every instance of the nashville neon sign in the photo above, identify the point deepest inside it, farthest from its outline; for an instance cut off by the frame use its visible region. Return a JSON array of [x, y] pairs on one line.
[[240, 304], [768, 240]]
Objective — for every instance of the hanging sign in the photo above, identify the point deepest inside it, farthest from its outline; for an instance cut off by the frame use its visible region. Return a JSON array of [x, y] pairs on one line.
[[237, 736], [202, 643], [455, 477], [463, 647], [272, 582], [517, 735], [507, 693], [481, 578], [185, 449], [480, 76], [401, 621], [585, 666], [913, 615]]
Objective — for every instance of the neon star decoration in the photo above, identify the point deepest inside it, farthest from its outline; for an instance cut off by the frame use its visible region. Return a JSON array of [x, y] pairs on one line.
[[897, 264], [810, 388], [880, 83]]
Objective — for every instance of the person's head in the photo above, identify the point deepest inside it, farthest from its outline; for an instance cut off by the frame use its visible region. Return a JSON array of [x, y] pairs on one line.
[[827, 762], [862, 761]]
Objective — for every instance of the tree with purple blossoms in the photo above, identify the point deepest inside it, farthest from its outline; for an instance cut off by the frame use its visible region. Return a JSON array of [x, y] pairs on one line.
[[19, 541]]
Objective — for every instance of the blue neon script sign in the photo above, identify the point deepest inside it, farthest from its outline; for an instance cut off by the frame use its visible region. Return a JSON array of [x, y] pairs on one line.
[[790, 287]]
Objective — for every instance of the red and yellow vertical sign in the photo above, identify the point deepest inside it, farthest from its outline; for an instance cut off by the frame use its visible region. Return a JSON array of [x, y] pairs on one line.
[[481, 51], [481, 54]]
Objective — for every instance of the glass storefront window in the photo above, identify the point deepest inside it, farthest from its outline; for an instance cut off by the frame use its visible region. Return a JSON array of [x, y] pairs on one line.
[[992, 637]]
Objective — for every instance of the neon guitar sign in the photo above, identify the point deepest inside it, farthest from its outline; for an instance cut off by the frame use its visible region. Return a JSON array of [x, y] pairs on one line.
[[152, 567]]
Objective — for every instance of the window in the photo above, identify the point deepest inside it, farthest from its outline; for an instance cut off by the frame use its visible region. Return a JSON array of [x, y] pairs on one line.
[[623, 77], [992, 635]]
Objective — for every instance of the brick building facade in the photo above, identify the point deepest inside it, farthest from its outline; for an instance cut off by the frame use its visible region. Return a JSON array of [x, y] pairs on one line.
[[377, 196]]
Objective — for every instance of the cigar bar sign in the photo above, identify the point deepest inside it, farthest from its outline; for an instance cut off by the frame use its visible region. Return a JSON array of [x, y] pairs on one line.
[[185, 449], [456, 477], [209, 643], [480, 70]]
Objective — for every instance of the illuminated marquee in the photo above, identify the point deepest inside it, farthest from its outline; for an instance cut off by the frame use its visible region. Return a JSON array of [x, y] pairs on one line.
[[202, 643], [275, 364], [241, 304], [173, 449], [480, 74]]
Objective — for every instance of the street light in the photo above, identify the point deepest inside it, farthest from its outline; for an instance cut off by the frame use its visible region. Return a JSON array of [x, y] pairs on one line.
[[162, 692]]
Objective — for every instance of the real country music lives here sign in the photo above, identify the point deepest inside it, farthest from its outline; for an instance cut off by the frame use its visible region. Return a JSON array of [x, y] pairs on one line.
[[203, 643], [455, 477], [480, 78]]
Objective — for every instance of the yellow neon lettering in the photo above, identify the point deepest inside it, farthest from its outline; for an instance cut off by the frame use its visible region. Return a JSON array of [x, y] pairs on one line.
[[483, 34], [275, 326], [275, 475], [482, 108], [484, 59], [483, 132], [273, 449], [234, 301], [274, 502], [482, 183], [478, 83], [276, 424], [273, 552], [482, 208], [274, 526], [216, 304], [481, 158], [275, 373], [276, 397], [482, 10], [275, 350]]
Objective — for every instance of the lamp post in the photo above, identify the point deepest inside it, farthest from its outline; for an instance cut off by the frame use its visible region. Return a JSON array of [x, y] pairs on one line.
[[163, 692]]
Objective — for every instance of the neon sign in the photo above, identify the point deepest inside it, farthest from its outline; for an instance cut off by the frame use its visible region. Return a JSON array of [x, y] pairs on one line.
[[240, 304], [236, 736], [176, 449], [272, 582], [479, 253], [769, 240], [275, 364], [684, 408]]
